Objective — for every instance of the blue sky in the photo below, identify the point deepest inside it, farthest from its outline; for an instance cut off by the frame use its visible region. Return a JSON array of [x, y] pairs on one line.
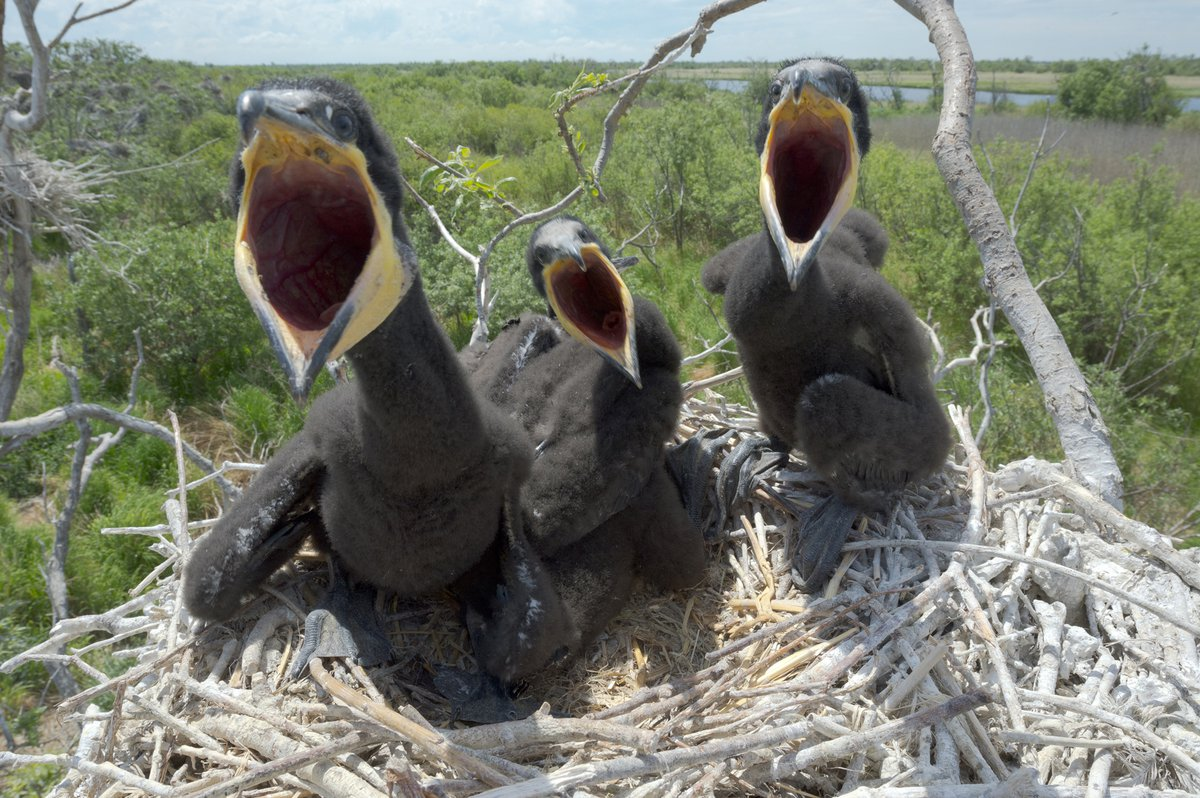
[[383, 31]]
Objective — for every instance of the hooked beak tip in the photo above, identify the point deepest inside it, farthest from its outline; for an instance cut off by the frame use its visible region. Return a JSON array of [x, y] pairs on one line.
[[250, 107]]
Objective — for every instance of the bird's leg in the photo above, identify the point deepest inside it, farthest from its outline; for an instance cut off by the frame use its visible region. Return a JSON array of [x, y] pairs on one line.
[[516, 620], [745, 467], [344, 624], [823, 532], [690, 464], [668, 543]]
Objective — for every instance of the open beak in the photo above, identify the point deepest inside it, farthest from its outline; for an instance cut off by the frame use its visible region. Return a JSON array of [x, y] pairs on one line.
[[808, 171], [314, 250], [594, 305]]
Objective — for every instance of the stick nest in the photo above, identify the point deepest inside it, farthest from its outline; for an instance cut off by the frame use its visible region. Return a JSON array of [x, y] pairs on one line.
[[998, 627]]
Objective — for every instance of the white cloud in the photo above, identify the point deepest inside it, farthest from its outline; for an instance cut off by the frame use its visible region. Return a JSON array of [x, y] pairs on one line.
[[324, 31]]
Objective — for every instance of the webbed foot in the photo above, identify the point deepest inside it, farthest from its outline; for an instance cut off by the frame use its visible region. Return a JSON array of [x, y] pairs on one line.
[[689, 464], [744, 468], [823, 532], [344, 624]]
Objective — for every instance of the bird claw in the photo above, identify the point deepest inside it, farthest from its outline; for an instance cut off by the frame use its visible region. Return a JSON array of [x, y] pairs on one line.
[[823, 533], [689, 464], [344, 624], [744, 468]]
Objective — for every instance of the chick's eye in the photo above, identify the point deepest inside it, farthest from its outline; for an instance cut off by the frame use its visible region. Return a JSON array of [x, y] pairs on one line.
[[776, 91], [343, 124]]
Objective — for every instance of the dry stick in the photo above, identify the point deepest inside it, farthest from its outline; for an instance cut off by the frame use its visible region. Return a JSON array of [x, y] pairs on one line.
[[977, 520], [277, 767], [1076, 417], [694, 387], [636, 710], [89, 738], [984, 630], [132, 675], [782, 767], [991, 551], [539, 729], [697, 357], [628, 767], [432, 742], [1029, 738], [329, 777], [238, 763], [25, 428], [213, 693], [1051, 618], [106, 770], [841, 659], [167, 720], [1094, 691], [1128, 725], [1032, 790], [67, 629], [1097, 786], [1134, 532], [1008, 598], [991, 767]]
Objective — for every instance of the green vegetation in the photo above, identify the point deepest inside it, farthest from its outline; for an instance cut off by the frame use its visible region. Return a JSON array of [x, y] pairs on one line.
[[1117, 253], [1131, 90]]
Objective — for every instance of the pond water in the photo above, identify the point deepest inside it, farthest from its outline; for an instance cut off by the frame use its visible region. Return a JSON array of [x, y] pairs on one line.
[[982, 97]]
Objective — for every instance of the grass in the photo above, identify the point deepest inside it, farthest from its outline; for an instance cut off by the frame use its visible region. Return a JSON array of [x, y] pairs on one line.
[[1018, 82], [1104, 148]]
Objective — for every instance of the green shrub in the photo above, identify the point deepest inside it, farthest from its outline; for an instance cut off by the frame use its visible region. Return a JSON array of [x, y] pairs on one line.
[[261, 418], [1133, 89], [179, 289]]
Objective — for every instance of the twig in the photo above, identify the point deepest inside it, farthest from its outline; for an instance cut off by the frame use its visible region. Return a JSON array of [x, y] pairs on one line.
[[1134, 532], [106, 770], [782, 767], [539, 729], [1173, 752], [696, 358], [22, 429], [694, 387], [632, 766], [1100, 584], [276, 767], [976, 521], [429, 740]]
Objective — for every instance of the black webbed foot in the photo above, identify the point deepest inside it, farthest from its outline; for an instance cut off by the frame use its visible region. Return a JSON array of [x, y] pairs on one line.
[[344, 624], [689, 464], [823, 533], [744, 468], [480, 697]]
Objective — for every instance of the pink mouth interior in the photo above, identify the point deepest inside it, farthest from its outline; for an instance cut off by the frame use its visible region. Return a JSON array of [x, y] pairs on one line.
[[808, 161], [592, 301], [310, 229]]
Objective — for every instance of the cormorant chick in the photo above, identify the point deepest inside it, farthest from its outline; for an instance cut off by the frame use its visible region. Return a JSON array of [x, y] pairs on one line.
[[408, 474], [834, 357], [598, 501]]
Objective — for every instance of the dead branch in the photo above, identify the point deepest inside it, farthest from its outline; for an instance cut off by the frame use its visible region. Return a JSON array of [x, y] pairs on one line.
[[23, 189], [1081, 430], [21, 430], [665, 53]]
